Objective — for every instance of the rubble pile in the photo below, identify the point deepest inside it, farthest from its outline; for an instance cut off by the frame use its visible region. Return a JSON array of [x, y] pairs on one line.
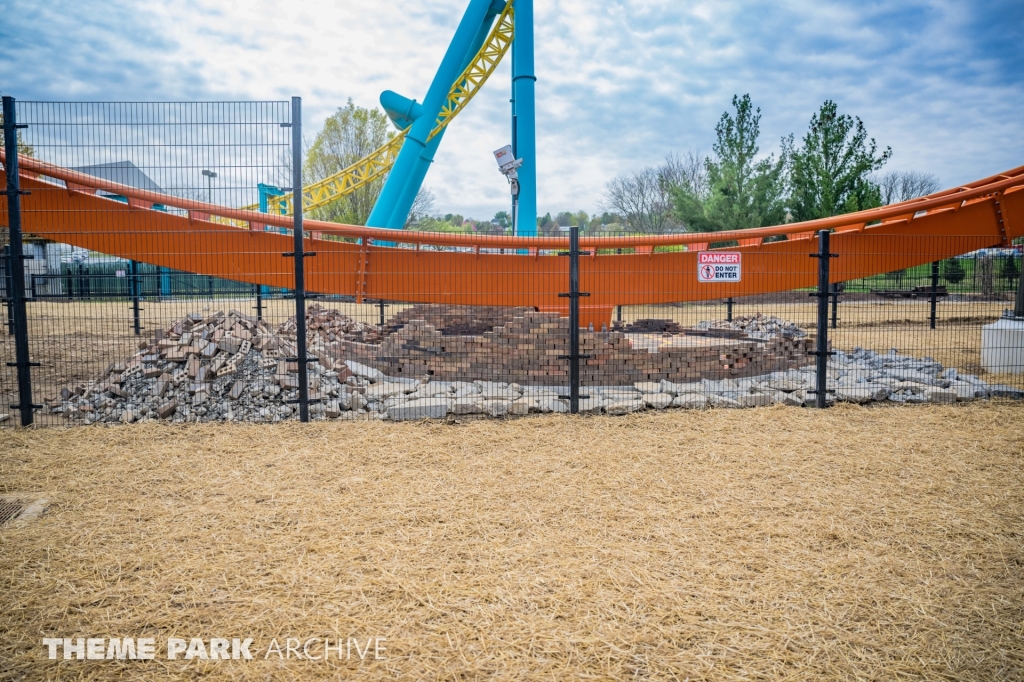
[[330, 325], [219, 367], [233, 367], [757, 326]]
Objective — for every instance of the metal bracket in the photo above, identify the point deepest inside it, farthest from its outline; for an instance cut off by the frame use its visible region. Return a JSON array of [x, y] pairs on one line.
[[28, 364], [569, 397], [575, 294], [31, 407], [291, 254]]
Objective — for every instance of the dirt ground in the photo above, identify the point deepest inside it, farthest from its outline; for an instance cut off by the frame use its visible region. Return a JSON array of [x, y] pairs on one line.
[[854, 543]]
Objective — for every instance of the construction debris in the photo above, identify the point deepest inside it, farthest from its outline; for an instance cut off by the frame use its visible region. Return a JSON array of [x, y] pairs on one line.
[[233, 367], [757, 326]]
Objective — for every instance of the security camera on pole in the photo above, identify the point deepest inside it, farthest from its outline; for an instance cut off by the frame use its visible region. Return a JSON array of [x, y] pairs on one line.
[[509, 165]]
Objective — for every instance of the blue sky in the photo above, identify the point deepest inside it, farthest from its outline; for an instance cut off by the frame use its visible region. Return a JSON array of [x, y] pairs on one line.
[[620, 84]]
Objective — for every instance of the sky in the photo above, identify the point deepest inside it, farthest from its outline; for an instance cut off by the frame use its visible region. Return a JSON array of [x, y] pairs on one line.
[[621, 84]]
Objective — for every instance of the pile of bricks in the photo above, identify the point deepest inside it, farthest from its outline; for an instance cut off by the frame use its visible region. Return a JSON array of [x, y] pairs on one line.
[[526, 350], [456, 319]]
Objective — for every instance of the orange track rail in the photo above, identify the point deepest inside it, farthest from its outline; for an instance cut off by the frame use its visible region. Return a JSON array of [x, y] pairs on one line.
[[986, 213]]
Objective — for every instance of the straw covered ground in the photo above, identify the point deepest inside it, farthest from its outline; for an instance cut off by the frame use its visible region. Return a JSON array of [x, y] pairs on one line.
[[856, 543]]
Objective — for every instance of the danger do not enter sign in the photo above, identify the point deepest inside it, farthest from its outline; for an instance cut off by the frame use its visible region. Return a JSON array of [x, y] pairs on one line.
[[719, 266]]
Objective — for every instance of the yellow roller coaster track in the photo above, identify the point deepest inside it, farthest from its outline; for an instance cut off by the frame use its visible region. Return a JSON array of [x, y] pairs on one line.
[[379, 162]]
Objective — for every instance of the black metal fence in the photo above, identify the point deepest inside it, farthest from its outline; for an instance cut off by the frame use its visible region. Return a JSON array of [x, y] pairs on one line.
[[97, 337]]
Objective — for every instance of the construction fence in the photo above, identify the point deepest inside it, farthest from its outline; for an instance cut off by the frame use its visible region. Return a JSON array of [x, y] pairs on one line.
[[129, 296]]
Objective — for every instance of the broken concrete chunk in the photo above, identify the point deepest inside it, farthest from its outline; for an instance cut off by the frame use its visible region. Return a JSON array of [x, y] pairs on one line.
[[167, 409]]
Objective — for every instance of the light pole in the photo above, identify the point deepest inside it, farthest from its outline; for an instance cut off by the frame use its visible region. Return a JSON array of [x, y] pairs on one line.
[[210, 175]]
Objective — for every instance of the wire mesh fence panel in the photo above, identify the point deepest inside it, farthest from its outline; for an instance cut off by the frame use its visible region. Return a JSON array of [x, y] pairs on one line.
[[923, 328], [125, 319], [163, 283]]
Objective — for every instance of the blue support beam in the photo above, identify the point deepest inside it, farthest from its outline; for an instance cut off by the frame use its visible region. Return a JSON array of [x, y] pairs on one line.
[[524, 117], [409, 159], [400, 212]]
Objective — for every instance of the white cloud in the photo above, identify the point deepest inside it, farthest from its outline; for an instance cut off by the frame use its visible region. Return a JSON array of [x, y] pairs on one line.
[[621, 84]]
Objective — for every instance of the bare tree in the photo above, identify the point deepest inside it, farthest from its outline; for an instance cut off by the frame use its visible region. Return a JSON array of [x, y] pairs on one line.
[[900, 186], [644, 199], [422, 206], [688, 172]]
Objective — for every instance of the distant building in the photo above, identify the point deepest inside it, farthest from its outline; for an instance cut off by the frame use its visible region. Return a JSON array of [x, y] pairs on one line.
[[123, 173]]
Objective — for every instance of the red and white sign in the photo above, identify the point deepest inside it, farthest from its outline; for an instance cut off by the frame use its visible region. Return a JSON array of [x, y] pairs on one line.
[[719, 266]]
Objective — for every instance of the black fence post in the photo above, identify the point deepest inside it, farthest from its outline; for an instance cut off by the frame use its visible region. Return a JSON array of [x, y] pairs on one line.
[[728, 309], [136, 291], [835, 305], [382, 306], [85, 292], [934, 292], [1018, 303], [16, 267], [300, 256], [822, 352], [7, 289], [259, 301], [574, 295]]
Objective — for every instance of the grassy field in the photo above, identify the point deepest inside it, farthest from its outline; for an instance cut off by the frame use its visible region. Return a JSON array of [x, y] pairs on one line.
[[774, 543]]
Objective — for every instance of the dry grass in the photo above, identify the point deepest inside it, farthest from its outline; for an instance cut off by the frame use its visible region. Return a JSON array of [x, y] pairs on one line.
[[763, 544]]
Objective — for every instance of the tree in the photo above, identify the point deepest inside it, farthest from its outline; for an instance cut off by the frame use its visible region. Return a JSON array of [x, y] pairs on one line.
[[565, 218], [897, 186], [23, 149], [422, 205], [953, 271], [831, 170], [347, 136], [503, 219], [644, 199], [687, 173], [744, 192]]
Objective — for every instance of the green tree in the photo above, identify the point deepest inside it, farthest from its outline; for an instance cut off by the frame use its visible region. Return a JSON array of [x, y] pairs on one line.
[[736, 190], [953, 271], [830, 171], [742, 191], [23, 149], [347, 136], [503, 219], [565, 218]]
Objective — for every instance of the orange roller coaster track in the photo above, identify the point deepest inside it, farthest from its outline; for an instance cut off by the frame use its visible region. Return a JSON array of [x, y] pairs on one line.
[[986, 213]]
